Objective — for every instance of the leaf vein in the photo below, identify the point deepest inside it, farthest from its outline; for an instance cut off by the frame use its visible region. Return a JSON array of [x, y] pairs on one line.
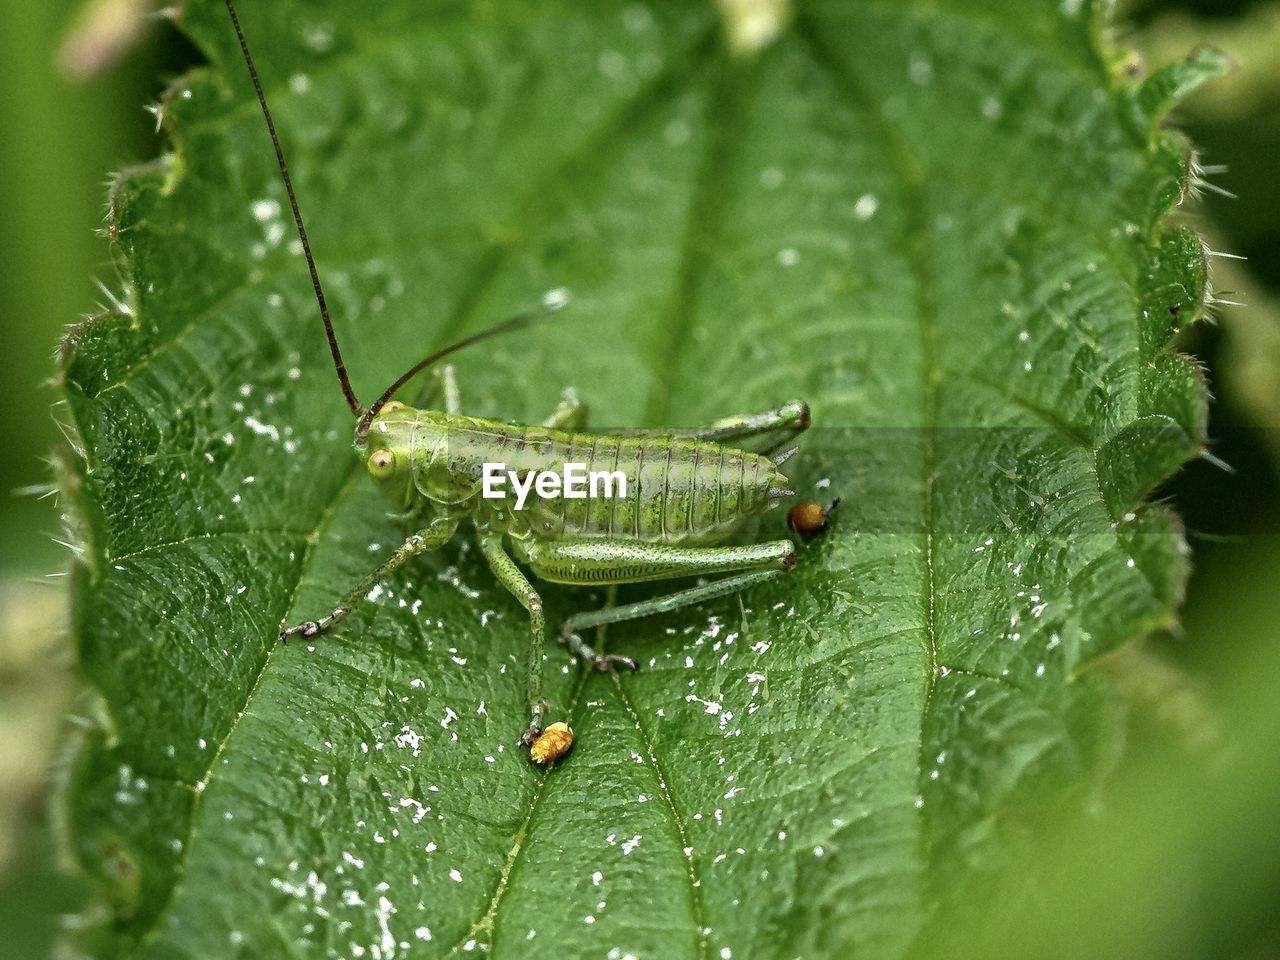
[[906, 169], [696, 904]]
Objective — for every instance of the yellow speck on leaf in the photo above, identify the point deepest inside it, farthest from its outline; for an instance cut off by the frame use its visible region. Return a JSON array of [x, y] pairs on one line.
[[552, 743]]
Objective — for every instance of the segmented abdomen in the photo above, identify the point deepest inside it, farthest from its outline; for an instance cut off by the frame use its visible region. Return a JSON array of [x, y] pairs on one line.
[[677, 490]]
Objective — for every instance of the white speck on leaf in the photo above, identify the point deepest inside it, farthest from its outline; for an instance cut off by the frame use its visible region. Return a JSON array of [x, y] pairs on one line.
[[264, 210]]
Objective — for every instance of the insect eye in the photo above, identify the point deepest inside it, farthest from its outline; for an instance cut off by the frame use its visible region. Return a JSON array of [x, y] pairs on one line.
[[392, 405], [382, 463]]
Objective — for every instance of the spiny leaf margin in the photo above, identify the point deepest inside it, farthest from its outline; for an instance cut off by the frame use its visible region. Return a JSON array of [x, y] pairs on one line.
[[1132, 458]]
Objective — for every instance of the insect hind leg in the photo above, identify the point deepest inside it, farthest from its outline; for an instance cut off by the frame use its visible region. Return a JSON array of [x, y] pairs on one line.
[[569, 632], [590, 561], [761, 432]]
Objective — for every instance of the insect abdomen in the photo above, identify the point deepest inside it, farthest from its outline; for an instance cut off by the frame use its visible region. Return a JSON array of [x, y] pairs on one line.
[[678, 491]]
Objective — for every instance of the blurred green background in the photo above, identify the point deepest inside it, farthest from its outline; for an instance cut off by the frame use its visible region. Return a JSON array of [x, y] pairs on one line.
[[1183, 856]]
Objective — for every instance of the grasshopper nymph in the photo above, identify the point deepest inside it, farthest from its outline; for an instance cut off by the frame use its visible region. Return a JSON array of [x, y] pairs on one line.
[[687, 490]]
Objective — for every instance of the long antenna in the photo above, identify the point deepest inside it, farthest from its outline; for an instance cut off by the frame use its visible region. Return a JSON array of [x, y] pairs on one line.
[[515, 323], [341, 367]]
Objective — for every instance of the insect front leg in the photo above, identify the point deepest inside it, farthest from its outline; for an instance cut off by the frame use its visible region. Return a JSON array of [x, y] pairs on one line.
[[443, 383], [431, 537], [592, 561], [511, 577], [571, 414], [452, 396]]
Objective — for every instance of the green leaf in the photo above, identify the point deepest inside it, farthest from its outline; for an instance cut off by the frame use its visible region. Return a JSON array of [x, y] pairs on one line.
[[940, 224]]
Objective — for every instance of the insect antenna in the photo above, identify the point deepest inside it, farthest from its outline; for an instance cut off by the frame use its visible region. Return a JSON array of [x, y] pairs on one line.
[[339, 366], [507, 326]]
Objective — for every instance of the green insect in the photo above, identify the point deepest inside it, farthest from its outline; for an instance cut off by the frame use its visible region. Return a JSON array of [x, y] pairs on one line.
[[686, 490]]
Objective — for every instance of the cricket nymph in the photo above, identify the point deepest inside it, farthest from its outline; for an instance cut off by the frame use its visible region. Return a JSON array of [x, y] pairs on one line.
[[682, 492], [686, 491], [673, 489]]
